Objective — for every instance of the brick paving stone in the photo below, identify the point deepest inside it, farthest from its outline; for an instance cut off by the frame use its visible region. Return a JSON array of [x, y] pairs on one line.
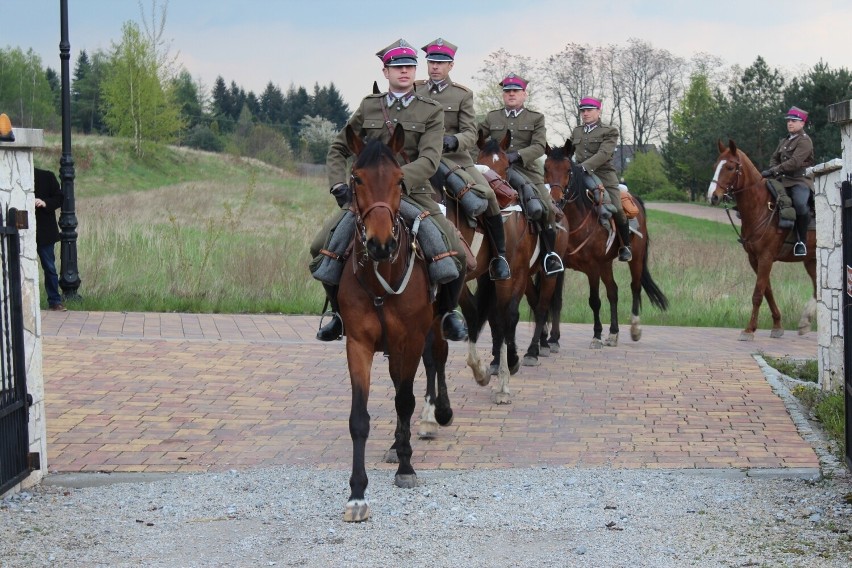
[[211, 392]]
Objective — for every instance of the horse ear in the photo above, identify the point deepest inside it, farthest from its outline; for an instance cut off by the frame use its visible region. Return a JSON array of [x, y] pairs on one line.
[[397, 141], [721, 146], [732, 146], [376, 90], [547, 148], [353, 141], [507, 140], [569, 148], [480, 138]]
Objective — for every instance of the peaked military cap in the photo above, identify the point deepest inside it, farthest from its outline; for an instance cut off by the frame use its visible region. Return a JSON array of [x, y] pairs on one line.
[[440, 50], [795, 113], [398, 53], [513, 82]]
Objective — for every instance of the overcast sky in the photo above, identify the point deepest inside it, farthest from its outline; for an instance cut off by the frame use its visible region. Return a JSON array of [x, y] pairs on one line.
[[305, 42]]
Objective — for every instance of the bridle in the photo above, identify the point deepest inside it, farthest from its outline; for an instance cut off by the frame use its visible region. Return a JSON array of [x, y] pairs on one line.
[[737, 185], [570, 196]]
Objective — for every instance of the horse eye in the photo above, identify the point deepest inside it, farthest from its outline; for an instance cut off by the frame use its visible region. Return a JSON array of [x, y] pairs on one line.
[[356, 180]]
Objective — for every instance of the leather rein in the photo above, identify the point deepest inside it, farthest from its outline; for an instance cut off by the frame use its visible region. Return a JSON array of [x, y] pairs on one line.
[[568, 200], [736, 186]]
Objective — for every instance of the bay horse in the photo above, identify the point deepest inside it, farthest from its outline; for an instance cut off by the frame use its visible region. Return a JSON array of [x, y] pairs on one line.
[[525, 252], [587, 246], [385, 303], [737, 179]]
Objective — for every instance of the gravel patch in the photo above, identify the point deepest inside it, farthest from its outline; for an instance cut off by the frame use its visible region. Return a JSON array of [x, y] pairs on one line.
[[292, 516]]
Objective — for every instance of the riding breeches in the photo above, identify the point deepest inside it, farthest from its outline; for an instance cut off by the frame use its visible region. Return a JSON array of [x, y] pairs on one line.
[[424, 201], [801, 195]]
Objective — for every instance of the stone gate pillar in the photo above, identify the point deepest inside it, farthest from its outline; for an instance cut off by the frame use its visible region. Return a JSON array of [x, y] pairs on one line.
[[831, 272]]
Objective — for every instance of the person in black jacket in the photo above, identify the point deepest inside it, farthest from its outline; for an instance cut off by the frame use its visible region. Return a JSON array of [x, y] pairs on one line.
[[48, 198]]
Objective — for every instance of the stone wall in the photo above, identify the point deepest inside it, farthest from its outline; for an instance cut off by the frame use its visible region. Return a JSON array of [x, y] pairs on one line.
[[17, 190]]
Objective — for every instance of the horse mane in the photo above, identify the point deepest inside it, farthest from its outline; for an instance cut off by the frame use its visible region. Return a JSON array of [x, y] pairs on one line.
[[373, 152], [559, 154]]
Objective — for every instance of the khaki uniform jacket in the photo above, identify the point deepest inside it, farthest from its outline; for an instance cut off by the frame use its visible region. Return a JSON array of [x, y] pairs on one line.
[[459, 118], [423, 120], [529, 138], [594, 151], [791, 159]]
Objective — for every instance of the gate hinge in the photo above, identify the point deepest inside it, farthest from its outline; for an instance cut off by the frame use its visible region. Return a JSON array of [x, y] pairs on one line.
[[34, 460]]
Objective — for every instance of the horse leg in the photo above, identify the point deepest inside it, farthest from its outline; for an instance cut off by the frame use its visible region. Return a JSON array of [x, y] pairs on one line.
[[502, 394], [762, 270], [428, 423], [473, 308], [556, 313], [595, 304], [777, 329], [538, 346], [611, 296], [402, 372], [636, 269], [809, 313], [360, 361], [512, 359]]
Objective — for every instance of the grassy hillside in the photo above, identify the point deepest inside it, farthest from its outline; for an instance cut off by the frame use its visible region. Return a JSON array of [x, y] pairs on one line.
[[189, 231]]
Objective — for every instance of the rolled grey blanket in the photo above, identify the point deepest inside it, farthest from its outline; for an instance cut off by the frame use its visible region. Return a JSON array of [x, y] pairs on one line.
[[455, 181], [433, 243], [325, 268], [530, 202]]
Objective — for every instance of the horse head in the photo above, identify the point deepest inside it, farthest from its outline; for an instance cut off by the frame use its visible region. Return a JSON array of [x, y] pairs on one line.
[[728, 177], [376, 183], [493, 153], [564, 177]]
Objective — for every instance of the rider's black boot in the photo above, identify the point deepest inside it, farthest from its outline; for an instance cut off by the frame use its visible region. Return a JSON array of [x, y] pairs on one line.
[[334, 328], [551, 262], [624, 253], [800, 248], [498, 268], [452, 324]]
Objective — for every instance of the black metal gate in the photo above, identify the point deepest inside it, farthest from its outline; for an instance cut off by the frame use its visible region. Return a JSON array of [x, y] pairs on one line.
[[846, 197], [14, 401]]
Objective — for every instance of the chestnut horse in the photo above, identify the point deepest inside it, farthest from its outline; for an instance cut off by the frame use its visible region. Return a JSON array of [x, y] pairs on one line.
[[540, 294], [737, 179], [386, 305], [587, 247]]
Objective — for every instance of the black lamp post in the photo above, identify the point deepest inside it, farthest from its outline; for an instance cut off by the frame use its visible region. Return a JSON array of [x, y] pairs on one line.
[[69, 280]]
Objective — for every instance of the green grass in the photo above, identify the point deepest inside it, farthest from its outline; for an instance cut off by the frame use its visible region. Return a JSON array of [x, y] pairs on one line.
[[189, 231]]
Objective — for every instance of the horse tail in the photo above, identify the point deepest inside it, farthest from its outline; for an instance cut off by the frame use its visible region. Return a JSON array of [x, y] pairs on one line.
[[654, 293]]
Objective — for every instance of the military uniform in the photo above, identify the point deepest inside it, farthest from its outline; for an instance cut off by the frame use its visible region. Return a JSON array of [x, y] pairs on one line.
[[594, 146], [795, 153], [529, 137], [423, 121], [460, 123]]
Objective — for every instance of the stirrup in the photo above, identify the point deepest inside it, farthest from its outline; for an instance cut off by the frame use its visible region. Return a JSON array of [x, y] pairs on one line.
[[461, 322], [492, 268], [335, 318], [625, 254], [799, 249], [549, 256]]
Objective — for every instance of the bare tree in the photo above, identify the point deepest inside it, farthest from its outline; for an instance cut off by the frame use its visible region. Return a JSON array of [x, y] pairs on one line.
[[496, 67], [639, 70], [571, 74]]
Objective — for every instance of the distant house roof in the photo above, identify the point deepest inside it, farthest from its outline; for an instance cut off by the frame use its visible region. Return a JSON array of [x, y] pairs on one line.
[[624, 153]]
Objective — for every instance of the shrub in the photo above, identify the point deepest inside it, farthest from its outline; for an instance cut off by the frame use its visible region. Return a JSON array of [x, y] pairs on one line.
[[667, 194], [201, 137]]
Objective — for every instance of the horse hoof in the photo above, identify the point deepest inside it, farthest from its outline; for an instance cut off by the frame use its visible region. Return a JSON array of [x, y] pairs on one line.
[[596, 344], [444, 417], [776, 333], [357, 511], [423, 433], [405, 481], [531, 362], [493, 369], [391, 457], [513, 369], [635, 334], [747, 336], [611, 341], [501, 398], [554, 347], [543, 351], [482, 380], [804, 330]]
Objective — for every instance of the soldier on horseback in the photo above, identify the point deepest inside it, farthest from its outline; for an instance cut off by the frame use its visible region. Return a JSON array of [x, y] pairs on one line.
[[594, 145], [529, 138], [460, 138], [789, 164], [423, 119]]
